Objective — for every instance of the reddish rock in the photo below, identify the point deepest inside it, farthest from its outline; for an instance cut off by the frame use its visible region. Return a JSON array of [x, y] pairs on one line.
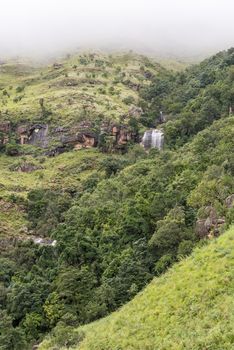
[[85, 139], [5, 127]]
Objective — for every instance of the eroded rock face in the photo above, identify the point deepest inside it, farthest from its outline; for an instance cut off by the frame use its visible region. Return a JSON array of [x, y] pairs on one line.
[[121, 134], [36, 134], [5, 128], [85, 139], [78, 136]]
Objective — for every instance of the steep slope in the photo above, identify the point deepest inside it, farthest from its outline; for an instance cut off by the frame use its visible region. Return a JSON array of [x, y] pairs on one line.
[[192, 99], [191, 307]]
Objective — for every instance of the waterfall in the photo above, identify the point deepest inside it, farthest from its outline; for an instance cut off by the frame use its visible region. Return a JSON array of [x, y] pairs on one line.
[[153, 139]]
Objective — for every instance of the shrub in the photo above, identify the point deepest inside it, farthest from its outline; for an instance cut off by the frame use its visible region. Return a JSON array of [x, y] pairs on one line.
[[20, 89], [12, 149], [129, 100]]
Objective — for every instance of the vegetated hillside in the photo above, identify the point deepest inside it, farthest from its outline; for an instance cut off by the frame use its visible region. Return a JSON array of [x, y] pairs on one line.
[[91, 87], [22, 174], [191, 307], [118, 218], [194, 98]]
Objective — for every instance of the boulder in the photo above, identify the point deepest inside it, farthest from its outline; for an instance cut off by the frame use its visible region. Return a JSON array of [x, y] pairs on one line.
[[229, 201], [210, 226], [201, 228]]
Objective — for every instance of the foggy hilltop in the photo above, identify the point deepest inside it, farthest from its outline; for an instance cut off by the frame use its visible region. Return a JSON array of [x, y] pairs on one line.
[[181, 28]]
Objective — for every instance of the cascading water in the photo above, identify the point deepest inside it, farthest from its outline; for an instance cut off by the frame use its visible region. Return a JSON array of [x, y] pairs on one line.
[[153, 139]]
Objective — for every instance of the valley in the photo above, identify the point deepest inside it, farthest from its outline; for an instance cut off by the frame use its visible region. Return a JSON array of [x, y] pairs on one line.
[[117, 203]]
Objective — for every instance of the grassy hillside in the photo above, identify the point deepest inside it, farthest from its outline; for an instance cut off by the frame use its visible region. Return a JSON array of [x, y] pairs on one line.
[[83, 87], [191, 307]]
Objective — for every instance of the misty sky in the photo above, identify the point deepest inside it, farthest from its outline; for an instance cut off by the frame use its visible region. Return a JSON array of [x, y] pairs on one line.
[[167, 26]]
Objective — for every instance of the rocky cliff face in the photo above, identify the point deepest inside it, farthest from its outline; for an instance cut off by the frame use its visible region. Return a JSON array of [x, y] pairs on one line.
[[36, 134], [5, 129], [82, 135]]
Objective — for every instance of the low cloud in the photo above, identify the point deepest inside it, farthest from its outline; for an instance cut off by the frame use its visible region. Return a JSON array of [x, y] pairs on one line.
[[179, 27]]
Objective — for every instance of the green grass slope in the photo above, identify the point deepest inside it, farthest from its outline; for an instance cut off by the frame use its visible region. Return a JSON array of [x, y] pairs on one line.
[[81, 87], [191, 307]]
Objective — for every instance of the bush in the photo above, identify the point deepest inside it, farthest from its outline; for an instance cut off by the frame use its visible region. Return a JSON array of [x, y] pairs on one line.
[[12, 149], [19, 89], [129, 100]]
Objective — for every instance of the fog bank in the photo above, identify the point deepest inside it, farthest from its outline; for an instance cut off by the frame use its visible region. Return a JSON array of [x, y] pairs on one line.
[[179, 27]]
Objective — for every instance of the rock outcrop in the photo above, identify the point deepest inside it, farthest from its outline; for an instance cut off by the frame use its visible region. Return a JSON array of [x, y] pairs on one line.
[[210, 225], [85, 139], [78, 136], [36, 134], [120, 135], [5, 129], [229, 201]]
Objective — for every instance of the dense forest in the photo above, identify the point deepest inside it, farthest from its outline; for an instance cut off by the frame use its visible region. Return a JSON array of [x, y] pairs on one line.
[[131, 217], [198, 311]]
